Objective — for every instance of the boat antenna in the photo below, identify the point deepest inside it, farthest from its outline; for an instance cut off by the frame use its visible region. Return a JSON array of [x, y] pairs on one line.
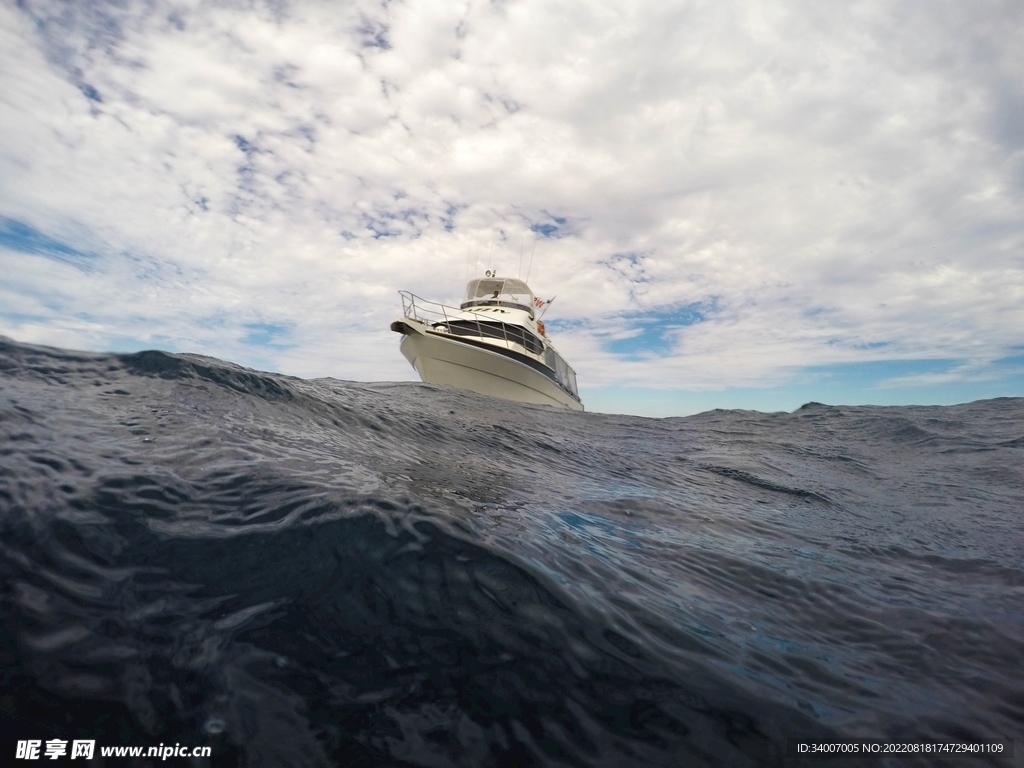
[[532, 251], [489, 252], [521, 240]]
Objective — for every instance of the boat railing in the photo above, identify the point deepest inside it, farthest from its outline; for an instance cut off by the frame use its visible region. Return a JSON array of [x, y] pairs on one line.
[[430, 312], [448, 319], [441, 317]]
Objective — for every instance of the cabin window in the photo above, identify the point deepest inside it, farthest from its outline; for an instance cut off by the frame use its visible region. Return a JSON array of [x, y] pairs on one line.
[[490, 329]]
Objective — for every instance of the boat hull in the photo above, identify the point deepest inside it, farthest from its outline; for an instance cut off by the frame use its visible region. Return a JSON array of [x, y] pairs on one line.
[[442, 359]]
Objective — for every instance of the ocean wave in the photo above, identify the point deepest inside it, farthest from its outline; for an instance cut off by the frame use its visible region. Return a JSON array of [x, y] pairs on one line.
[[335, 573]]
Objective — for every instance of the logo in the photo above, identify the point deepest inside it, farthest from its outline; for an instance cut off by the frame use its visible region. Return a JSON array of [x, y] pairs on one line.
[[29, 749]]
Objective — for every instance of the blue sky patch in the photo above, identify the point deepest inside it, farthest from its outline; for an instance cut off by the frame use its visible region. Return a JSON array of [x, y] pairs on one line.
[[21, 237], [554, 227], [267, 335], [874, 373], [244, 144], [384, 223], [886, 379], [652, 331], [90, 92], [374, 34], [564, 324], [450, 211], [925, 382], [628, 265], [871, 345]]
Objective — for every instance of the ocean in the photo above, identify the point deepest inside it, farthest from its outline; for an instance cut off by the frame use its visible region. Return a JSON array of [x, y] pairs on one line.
[[329, 573]]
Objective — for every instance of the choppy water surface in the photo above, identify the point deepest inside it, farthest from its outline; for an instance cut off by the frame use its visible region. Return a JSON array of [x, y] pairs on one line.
[[327, 573]]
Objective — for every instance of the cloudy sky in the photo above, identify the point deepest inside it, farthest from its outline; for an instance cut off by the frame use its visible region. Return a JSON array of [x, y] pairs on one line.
[[749, 204]]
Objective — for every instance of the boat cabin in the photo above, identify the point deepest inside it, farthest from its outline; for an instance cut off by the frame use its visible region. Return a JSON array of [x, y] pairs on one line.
[[499, 292]]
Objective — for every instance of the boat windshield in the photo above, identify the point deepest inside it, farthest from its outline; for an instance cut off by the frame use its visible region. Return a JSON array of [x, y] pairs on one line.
[[504, 289]]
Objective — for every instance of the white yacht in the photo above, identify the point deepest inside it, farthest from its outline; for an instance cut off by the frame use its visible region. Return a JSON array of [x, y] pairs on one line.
[[493, 343]]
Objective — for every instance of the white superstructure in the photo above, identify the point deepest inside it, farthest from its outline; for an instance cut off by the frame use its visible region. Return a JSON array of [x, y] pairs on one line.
[[493, 343]]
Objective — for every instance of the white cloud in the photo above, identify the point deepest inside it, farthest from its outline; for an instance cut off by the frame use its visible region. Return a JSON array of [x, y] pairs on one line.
[[839, 183]]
